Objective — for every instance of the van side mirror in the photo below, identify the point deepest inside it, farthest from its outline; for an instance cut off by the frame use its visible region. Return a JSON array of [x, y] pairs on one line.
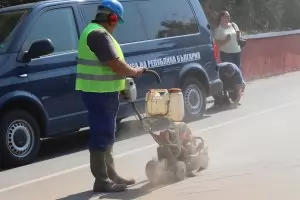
[[39, 48]]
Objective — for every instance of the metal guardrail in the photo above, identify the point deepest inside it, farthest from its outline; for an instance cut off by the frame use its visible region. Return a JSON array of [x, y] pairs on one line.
[[271, 34]]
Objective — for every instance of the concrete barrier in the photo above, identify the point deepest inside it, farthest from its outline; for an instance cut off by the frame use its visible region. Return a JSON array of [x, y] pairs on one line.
[[270, 54]]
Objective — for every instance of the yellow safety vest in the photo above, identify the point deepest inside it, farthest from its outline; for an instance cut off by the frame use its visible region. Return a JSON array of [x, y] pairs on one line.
[[93, 76]]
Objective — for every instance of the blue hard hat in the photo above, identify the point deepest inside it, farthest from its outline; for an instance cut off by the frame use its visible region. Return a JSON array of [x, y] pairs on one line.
[[115, 6]]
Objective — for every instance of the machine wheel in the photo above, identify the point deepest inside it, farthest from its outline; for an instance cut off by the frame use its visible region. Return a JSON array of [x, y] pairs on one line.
[[194, 96], [151, 169], [19, 138], [180, 171]]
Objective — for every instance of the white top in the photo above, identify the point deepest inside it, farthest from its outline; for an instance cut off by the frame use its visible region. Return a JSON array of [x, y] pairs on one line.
[[232, 45]]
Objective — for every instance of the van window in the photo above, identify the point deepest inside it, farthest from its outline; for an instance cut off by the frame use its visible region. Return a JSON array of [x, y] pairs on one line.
[[8, 24], [133, 29], [89, 12], [59, 26], [171, 18]]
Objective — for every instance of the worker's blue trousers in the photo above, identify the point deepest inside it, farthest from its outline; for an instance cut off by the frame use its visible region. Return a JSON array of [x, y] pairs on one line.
[[102, 111]]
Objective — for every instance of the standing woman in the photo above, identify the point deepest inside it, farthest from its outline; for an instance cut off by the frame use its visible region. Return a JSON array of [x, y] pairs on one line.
[[227, 36]]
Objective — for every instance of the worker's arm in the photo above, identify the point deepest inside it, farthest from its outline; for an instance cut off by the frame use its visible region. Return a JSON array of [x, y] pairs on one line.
[[103, 47], [240, 84], [239, 92]]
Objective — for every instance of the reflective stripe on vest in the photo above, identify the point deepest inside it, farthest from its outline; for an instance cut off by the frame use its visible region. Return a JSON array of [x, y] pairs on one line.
[[92, 75], [89, 62], [99, 77]]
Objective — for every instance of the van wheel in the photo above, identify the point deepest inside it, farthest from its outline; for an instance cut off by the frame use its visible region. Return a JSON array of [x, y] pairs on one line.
[[19, 138], [194, 96]]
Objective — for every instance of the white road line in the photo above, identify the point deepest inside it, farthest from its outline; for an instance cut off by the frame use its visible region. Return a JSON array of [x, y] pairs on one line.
[[147, 147], [247, 116], [72, 169]]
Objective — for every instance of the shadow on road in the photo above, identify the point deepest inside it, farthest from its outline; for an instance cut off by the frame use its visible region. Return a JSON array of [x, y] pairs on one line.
[[214, 110], [80, 196], [76, 142], [132, 193]]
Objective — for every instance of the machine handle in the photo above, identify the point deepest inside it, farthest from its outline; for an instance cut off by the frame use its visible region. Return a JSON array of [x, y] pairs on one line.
[[149, 71]]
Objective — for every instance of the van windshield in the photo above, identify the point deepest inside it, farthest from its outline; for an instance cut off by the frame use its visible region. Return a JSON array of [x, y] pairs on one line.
[[8, 23]]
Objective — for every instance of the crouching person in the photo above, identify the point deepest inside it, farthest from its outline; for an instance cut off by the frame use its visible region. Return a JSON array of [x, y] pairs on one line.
[[233, 85]]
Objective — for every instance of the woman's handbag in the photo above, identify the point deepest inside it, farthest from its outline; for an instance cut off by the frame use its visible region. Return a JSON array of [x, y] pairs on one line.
[[242, 42]]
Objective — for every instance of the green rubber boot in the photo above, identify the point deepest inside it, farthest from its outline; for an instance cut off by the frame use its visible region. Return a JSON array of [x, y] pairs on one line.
[[113, 175], [99, 171]]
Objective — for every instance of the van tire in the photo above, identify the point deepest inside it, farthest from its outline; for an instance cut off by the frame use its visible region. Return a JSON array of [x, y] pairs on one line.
[[194, 96], [19, 138]]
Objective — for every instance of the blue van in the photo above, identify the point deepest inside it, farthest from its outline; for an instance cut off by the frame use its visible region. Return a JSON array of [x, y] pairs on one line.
[[37, 96]]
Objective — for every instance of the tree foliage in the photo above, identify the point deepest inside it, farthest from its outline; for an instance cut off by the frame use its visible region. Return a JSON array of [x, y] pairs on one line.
[[257, 15], [251, 15]]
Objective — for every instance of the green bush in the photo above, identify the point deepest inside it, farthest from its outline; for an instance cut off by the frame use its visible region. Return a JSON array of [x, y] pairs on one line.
[[254, 16]]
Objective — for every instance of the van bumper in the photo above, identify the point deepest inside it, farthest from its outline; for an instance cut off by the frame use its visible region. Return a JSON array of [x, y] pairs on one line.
[[215, 87]]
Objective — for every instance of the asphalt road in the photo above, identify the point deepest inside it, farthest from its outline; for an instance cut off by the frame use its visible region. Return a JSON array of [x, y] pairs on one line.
[[254, 154]]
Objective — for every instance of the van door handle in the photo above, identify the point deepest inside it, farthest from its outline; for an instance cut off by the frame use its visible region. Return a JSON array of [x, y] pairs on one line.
[[23, 75]]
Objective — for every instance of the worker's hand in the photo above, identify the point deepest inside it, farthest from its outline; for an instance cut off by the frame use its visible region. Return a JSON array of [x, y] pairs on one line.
[[139, 71]]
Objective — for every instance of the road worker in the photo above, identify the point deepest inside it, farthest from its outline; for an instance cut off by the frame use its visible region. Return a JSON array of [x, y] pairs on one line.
[[233, 84], [101, 72]]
